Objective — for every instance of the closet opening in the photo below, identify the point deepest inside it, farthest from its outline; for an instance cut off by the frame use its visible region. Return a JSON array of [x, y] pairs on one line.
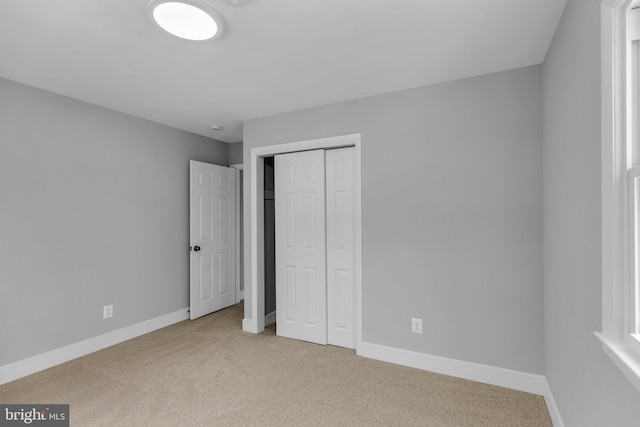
[[259, 292], [269, 243]]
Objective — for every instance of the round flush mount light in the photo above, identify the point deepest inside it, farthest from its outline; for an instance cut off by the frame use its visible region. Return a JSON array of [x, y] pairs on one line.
[[192, 20]]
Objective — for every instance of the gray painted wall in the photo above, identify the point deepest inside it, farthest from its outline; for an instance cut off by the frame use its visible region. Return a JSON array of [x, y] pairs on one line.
[[452, 213], [235, 153], [94, 211], [588, 389]]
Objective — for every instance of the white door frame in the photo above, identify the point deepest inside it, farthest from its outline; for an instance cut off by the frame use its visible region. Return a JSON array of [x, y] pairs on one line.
[[255, 324], [239, 293]]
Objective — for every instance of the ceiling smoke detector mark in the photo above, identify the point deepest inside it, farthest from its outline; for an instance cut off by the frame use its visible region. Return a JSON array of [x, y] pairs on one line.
[[216, 127], [236, 2]]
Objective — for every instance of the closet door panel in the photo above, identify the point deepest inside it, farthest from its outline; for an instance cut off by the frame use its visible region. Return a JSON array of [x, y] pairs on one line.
[[340, 205], [300, 246]]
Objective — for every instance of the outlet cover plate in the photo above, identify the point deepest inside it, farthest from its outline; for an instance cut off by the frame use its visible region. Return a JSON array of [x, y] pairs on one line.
[[416, 325], [107, 311]]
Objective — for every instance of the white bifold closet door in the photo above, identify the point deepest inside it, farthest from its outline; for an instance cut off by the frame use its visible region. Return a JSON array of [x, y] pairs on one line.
[[340, 203], [314, 246], [301, 293]]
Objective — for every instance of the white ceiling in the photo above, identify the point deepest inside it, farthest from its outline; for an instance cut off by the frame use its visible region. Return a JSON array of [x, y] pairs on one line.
[[275, 55]]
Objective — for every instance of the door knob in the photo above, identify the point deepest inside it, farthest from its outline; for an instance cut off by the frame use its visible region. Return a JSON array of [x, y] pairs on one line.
[[196, 248]]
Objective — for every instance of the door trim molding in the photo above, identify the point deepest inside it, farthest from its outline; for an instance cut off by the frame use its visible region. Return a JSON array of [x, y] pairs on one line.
[[255, 323], [239, 167]]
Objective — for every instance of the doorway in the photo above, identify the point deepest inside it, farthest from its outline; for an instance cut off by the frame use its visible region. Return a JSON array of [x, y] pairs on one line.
[[255, 294], [239, 218], [269, 242]]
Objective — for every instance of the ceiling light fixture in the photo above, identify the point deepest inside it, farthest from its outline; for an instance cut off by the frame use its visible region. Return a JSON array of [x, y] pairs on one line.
[[192, 20]]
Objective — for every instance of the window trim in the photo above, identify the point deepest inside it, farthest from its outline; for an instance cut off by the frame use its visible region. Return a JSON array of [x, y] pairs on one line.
[[617, 341]]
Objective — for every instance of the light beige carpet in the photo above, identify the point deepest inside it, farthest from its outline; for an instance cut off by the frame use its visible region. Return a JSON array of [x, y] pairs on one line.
[[209, 373]]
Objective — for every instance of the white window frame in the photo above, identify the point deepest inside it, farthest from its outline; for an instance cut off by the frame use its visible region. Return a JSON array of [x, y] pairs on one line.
[[620, 96]]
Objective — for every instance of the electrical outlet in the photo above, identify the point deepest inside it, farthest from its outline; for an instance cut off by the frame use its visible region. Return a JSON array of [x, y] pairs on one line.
[[416, 325], [107, 311]]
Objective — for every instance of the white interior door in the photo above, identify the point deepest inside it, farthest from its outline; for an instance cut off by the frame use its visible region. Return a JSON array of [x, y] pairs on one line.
[[300, 246], [340, 193], [212, 235]]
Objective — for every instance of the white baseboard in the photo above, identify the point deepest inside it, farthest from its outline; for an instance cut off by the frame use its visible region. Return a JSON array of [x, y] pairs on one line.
[[554, 413], [270, 319], [521, 381], [515, 380], [31, 365], [248, 325]]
